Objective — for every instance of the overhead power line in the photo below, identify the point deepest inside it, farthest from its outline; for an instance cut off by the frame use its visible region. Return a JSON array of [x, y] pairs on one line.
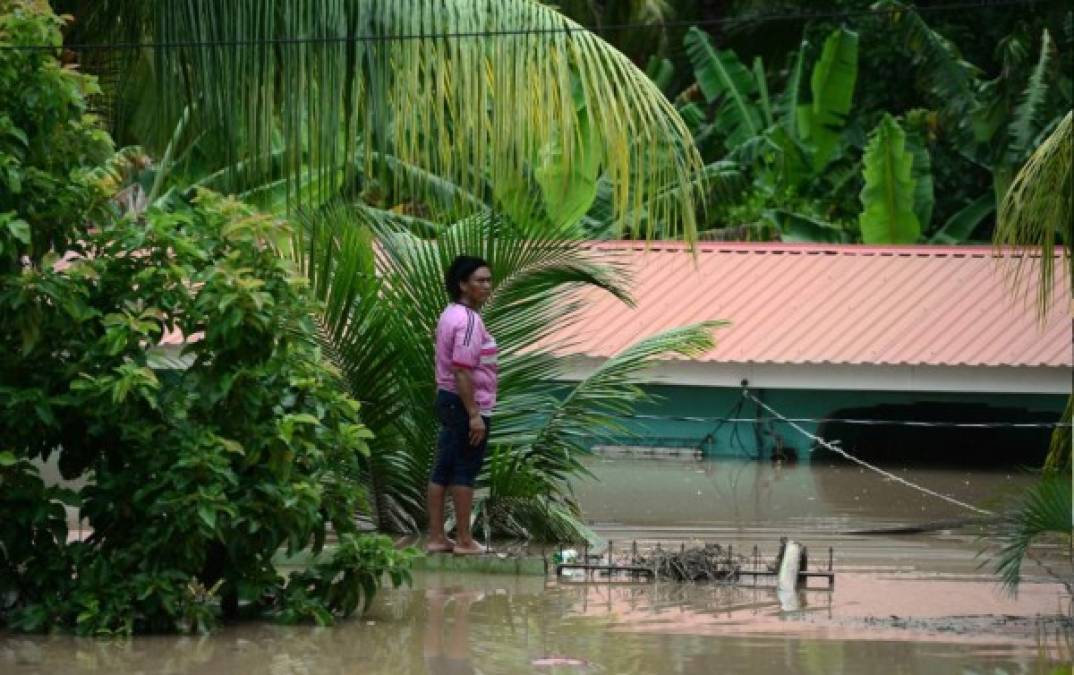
[[523, 32]]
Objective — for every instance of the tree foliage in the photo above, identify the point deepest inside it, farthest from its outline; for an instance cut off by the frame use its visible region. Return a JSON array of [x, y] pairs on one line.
[[194, 468], [1037, 214], [800, 151], [353, 83]]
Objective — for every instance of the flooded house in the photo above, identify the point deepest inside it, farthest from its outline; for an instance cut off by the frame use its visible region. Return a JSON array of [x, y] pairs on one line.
[[908, 353]]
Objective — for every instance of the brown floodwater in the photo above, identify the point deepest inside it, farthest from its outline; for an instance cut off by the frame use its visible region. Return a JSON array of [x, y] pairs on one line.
[[902, 603]]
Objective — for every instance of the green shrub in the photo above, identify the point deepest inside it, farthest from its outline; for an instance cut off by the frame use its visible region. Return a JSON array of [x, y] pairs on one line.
[[197, 466]]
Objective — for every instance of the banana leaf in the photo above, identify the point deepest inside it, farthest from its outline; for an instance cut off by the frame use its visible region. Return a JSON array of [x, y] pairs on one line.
[[832, 83], [722, 77], [888, 195], [960, 226]]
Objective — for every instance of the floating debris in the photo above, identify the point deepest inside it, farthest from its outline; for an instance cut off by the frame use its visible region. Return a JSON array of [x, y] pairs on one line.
[[710, 562]]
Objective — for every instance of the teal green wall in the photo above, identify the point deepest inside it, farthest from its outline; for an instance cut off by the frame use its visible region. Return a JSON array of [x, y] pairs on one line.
[[720, 441]]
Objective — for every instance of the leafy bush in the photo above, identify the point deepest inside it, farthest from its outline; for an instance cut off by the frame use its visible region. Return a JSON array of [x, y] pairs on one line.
[[196, 466]]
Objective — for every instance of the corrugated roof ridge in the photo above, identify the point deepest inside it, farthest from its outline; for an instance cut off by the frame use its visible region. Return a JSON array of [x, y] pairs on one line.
[[798, 248]]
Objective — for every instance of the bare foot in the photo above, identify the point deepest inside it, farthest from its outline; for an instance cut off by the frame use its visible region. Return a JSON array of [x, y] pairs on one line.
[[473, 548], [440, 545]]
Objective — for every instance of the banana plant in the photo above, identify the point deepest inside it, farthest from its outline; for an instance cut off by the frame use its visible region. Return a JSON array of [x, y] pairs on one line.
[[995, 124], [787, 144]]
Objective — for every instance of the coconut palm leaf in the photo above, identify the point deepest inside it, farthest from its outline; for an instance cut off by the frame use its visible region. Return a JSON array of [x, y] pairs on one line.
[[594, 407], [527, 477], [450, 87], [527, 502], [361, 336], [1043, 509], [1035, 216]]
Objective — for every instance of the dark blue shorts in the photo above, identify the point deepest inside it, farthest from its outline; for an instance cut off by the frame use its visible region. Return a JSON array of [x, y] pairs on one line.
[[457, 462]]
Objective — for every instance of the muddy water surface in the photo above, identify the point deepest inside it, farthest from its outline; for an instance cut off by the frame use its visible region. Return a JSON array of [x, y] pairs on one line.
[[902, 603], [508, 625]]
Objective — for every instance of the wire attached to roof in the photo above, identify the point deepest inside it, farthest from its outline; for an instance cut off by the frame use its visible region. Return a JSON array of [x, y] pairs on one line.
[[834, 447]]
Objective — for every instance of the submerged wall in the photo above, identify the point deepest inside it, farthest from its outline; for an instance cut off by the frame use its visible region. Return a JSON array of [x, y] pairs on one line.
[[763, 440]]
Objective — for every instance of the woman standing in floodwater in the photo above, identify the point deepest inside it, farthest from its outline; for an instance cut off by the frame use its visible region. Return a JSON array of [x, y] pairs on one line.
[[466, 393]]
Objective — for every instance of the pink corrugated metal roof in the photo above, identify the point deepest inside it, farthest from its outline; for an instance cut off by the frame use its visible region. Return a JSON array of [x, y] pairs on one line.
[[822, 304]]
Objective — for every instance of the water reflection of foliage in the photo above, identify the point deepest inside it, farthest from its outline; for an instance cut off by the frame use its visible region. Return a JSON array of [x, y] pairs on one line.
[[633, 628]]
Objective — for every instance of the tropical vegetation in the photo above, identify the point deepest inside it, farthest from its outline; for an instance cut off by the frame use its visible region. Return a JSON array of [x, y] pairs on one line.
[[190, 476], [362, 153], [363, 161], [818, 166], [380, 302], [1035, 219], [248, 439]]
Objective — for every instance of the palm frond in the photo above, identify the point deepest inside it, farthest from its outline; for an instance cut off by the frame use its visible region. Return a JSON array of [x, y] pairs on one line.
[[382, 289], [1045, 508], [528, 503], [592, 408], [361, 338], [1036, 215], [417, 80], [546, 437]]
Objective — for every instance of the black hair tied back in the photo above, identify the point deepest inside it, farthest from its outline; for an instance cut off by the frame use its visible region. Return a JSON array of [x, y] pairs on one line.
[[460, 270]]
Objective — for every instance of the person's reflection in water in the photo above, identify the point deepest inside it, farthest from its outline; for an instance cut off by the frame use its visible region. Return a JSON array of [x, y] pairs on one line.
[[450, 657]]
